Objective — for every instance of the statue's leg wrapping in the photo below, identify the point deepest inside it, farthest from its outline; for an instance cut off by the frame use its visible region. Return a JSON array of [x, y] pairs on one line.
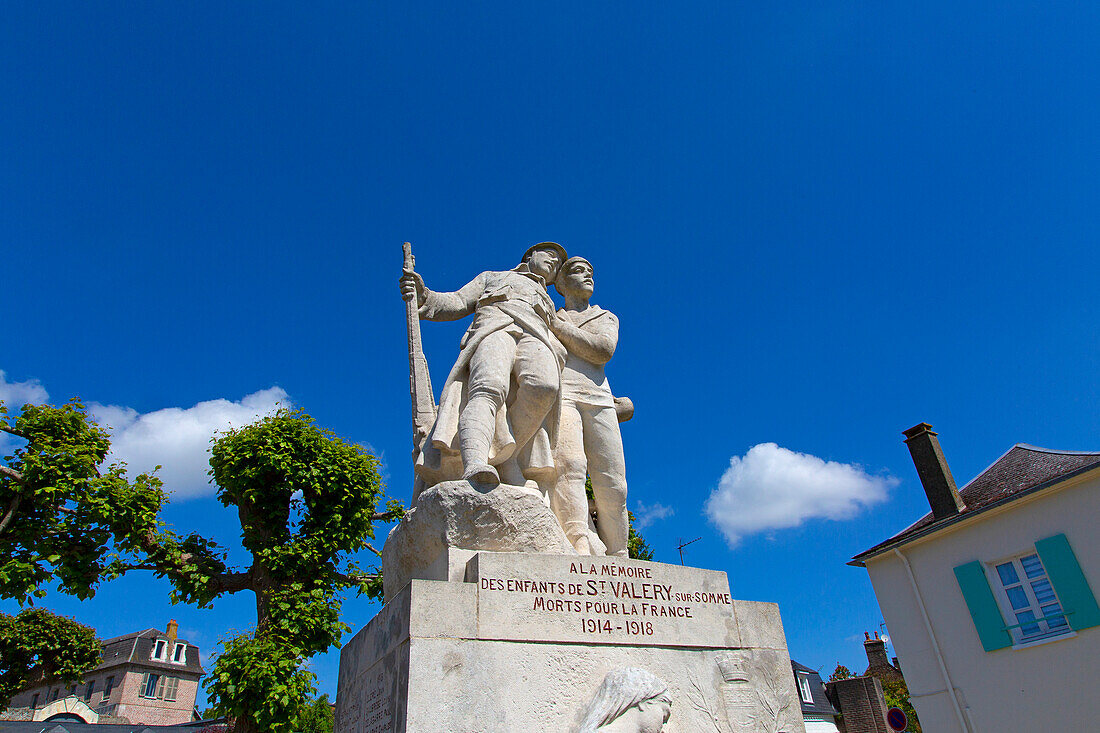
[[567, 499], [603, 446], [538, 382], [490, 369]]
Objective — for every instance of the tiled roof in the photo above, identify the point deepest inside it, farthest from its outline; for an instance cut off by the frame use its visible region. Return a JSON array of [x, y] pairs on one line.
[[820, 704], [137, 648], [1023, 469]]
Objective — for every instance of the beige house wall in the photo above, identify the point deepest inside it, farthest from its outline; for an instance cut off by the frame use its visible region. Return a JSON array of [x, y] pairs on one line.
[[126, 694], [156, 712], [1050, 686]]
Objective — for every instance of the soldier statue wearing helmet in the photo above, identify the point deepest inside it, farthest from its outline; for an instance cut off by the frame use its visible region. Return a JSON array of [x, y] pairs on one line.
[[498, 410]]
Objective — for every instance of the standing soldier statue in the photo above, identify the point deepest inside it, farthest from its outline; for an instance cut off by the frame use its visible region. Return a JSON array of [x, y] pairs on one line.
[[498, 411]]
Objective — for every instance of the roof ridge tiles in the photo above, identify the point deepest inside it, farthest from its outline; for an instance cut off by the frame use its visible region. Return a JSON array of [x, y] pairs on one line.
[[1029, 446]]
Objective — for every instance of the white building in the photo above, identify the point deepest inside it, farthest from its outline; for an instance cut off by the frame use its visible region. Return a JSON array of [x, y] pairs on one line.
[[990, 598]]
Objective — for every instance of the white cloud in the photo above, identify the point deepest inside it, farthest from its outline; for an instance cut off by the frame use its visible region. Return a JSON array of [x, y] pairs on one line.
[[775, 488], [646, 514], [178, 439], [17, 394]]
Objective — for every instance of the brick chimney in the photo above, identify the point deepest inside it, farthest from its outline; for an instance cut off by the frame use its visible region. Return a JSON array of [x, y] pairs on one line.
[[172, 631], [935, 476], [878, 664]]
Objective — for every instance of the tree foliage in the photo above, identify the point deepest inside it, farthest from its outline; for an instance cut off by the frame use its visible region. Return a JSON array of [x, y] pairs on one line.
[[40, 647], [63, 517], [636, 545], [840, 673], [318, 717], [897, 696], [306, 501]]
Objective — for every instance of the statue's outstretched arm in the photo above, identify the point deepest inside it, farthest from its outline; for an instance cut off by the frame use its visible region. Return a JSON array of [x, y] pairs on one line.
[[452, 306], [597, 345]]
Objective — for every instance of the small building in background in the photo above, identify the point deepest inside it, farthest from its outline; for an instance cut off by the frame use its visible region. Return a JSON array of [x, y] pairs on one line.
[[990, 598], [860, 700], [818, 713], [149, 677]]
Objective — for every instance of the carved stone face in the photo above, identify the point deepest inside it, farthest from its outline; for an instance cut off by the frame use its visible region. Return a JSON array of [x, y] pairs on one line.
[[576, 279], [653, 714], [544, 262]]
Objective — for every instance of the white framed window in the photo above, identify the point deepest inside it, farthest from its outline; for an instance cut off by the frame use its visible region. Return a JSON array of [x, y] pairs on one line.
[[179, 653], [160, 648], [804, 687], [1031, 607]]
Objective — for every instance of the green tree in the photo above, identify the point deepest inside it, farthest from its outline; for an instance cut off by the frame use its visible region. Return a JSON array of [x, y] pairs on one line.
[[40, 647], [65, 516], [306, 502], [318, 717], [897, 696], [840, 673], [635, 544]]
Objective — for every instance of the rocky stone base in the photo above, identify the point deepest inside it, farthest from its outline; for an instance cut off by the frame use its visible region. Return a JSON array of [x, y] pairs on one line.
[[525, 641], [454, 519]]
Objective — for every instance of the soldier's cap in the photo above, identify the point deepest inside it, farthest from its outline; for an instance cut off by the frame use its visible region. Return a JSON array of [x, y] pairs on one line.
[[562, 255], [577, 258]]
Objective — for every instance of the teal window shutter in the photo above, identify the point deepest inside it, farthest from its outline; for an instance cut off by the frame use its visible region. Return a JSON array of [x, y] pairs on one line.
[[1069, 582], [983, 606]]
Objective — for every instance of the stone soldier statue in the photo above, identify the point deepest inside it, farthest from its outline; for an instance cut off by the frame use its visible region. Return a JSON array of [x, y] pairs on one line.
[[589, 441], [498, 409]]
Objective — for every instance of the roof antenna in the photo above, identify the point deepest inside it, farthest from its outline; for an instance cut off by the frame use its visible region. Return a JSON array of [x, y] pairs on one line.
[[682, 545]]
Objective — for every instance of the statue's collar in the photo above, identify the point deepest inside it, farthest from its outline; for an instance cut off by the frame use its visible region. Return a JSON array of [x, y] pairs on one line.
[[522, 269]]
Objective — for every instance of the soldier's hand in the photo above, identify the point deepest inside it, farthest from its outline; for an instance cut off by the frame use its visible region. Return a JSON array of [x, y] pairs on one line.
[[412, 286], [557, 323]]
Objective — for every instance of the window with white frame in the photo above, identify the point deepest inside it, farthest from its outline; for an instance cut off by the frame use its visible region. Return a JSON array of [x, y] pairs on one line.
[[1032, 608], [178, 654], [804, 687], [159, 648]]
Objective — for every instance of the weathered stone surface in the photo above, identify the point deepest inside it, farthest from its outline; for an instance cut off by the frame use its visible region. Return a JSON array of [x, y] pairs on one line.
[[602, 600], [438, 658], [453, 519]]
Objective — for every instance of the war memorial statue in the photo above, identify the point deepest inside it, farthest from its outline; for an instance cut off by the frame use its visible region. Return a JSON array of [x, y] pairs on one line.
[[511, 602]]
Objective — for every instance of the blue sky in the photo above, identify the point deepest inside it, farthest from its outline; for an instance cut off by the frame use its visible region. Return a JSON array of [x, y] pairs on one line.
[[819, 223]]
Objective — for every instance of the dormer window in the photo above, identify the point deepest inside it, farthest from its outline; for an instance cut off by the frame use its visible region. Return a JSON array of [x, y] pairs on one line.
[[159, 649], [179, 653], [804, 688]]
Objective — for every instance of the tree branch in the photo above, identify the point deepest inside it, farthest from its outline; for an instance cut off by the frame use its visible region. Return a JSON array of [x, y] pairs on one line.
[[385, 516], [10, 513], [371, 548], [233, 582], [11, 473], [354, 579]]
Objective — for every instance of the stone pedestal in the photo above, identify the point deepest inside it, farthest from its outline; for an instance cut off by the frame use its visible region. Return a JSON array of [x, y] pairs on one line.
[[525, 640]]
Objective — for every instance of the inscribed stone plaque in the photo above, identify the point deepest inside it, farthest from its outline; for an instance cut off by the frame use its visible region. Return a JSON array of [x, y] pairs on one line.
[[601, 600]]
